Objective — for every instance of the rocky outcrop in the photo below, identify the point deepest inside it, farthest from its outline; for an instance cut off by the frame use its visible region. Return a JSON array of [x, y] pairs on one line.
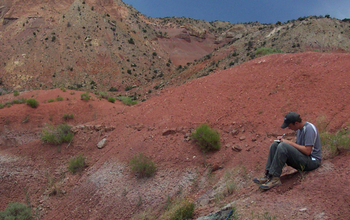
[[7, 21], [184, 36], [195, 31], [85, 128]]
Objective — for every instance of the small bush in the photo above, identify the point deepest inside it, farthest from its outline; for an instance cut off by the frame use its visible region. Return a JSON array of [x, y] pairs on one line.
[[128, 88], [333, 142], [59, 98], [178, 209], [77, 164], [185, 211], [142, 166], [103, 95], [127, 100], [50, 100], [63, 89], [15, 93], [32, 103], [17, 101], [72, 93], [85, 96], [17, 211], [111, 99], [57, 135], [113, 89], [68, 116], [131, 41], [54, 189], [207, 138], [266, 51]]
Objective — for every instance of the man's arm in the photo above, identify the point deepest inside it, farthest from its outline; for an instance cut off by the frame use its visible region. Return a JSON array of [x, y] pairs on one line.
[[303, 149]]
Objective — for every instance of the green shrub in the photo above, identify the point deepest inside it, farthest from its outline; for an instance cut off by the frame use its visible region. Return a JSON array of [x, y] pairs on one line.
[[128, 88], [72, 93], [2, 105], [63, 89], [59, 98], [333, 142], [131, 41], [68, 116], [266, 51], [142, 166], [85, 96], [18, 101], [207, 138], [17, 211], [111, 99], [127, 100], [77, 164], [113, 89], [185, 211], [15, 93], [103, 95], [32, 103], [57, 135], [50, 100]]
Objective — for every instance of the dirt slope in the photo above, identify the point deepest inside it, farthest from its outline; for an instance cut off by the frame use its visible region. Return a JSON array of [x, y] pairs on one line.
[[246, 104]]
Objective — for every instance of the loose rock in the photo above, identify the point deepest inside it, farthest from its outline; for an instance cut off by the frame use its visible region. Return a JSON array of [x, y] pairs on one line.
[[102, 143]]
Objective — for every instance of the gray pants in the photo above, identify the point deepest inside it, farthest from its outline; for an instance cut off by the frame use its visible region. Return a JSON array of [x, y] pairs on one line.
[[283, 153]]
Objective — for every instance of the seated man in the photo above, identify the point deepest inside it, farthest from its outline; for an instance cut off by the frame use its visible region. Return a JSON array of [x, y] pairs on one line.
[[303, 155]]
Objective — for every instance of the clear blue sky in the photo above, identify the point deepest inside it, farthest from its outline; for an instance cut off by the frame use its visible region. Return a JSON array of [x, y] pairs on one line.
[[269, 11]]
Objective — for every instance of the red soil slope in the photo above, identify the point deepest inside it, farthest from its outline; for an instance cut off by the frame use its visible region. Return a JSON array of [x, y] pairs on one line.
[[251, 99]]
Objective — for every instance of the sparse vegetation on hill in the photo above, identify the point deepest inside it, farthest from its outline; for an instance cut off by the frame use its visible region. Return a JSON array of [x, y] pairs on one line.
[[57, 135], [183, 211], [207, 138], [10, 103], [32, 103], [142, 165], [68, 116], [111, 99], [267, 51], [126, 42], [332, 143], [127, 100], [85, 96], [77, 164], [17, 211], [59, 98]]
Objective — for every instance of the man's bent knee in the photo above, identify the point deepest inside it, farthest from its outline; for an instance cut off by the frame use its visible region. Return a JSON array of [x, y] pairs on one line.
[[285, 147], [274, 144]]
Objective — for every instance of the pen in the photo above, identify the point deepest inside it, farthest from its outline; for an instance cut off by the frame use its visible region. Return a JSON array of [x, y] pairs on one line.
[[281, 138]]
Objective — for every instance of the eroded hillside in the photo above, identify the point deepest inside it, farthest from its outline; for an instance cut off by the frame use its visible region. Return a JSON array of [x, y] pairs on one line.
[[99, 45], [245, 103]]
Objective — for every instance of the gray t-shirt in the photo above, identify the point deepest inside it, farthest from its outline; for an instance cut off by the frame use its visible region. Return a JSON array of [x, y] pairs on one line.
[[308, 136]]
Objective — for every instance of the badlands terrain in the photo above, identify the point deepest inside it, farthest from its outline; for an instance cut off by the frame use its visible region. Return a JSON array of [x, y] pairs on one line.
[[245, 104]]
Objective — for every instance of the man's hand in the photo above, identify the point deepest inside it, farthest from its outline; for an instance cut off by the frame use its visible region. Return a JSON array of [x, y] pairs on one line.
[[280, 138]]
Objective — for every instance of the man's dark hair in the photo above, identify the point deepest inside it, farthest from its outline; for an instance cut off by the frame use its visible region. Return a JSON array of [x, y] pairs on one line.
[[298, 120]]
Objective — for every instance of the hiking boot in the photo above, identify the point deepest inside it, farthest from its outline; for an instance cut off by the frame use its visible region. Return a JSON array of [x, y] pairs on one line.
[[261, 180], [274, 181]]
